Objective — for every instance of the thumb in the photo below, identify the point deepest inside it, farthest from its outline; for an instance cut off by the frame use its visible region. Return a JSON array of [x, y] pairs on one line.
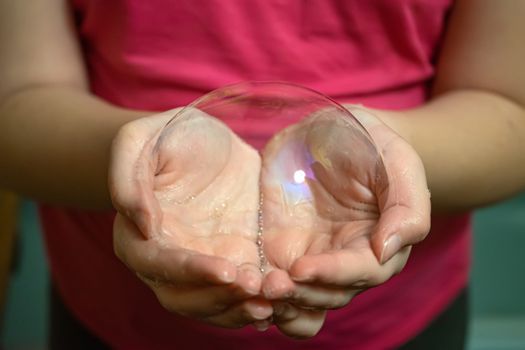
[[131, 171], [403, 196]]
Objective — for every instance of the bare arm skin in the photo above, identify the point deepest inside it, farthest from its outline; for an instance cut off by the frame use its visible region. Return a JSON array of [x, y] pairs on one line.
[[55, 136], [471, 134]]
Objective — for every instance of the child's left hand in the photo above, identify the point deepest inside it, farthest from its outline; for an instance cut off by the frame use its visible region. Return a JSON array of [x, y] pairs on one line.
[[348, 228]]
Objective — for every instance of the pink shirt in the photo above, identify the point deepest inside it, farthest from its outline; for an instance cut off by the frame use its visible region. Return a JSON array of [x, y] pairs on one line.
[[158, 54]]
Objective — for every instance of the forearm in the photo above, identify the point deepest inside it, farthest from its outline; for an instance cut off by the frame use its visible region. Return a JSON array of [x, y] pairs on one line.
[[55, 142], [472, 144]]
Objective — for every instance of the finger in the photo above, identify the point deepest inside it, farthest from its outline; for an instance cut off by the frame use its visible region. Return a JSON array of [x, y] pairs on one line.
[[283, 311], [405, 218], [405, 213], [347, 268], [131, 172], [249, 278], [198, 302], [277, 285], [321, 297], [160, 262], [263, 325], [400, 226], [242, 314], [306, 323]]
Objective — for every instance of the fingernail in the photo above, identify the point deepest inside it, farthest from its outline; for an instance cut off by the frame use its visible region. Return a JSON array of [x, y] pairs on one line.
[[261, 312], [303, 278], [226, 276], [253, 282], [276, 293], [390, 248], [262, 326]]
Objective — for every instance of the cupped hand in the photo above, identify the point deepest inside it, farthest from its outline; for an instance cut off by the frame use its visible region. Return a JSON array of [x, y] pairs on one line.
[[339, 216], [187, 202]]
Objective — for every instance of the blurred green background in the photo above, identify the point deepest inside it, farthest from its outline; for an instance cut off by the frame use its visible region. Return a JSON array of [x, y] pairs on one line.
[[497, 287]]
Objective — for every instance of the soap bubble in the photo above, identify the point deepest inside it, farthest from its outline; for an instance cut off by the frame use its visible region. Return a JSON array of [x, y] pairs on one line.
[[318, 169], [315, 141]]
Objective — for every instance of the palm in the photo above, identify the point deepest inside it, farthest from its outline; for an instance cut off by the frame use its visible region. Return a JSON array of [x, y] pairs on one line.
[[206, 183], [187, 195], [337, 205], [326, 238]]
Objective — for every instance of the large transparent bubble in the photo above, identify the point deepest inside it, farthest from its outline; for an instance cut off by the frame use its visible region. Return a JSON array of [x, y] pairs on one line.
[[313, 150]]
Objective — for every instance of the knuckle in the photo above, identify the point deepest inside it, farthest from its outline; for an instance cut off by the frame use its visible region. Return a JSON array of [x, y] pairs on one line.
[[342, 299], [128, 131]]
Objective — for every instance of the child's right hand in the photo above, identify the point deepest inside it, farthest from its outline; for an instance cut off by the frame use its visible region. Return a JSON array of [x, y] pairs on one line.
[[187, 216]]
